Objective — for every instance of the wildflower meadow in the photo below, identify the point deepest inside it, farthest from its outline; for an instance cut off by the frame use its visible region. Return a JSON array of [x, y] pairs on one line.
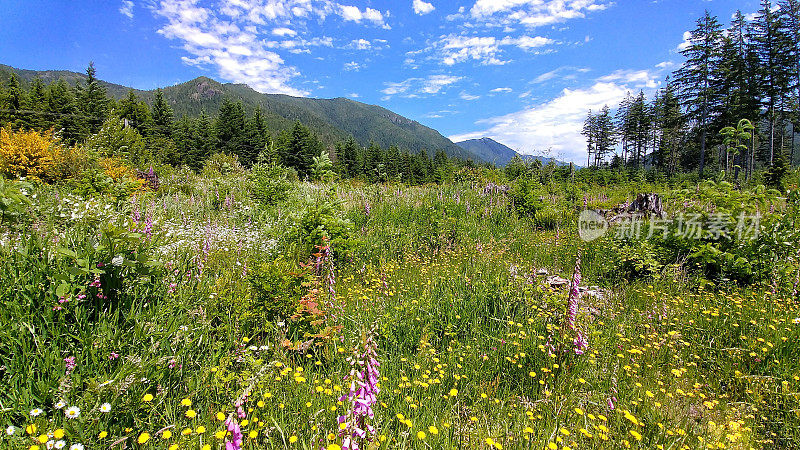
[[183, 311]]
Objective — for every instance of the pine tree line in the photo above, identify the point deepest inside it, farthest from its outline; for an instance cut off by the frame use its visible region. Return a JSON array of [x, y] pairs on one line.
[[85, 114], [749, 70]]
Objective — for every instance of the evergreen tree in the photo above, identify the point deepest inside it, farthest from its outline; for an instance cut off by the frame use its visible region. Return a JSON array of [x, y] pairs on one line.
[[790, 20], [347, 158], [771, 44], [696, 77], [229, 129], [204, 142], [257, 138], [135, 113], [185, 141], [14, 103], [40, 118], [68, 120], [605, 137], [163, 117], [93, 100], [589, 131], [669, 121], [298, 147]]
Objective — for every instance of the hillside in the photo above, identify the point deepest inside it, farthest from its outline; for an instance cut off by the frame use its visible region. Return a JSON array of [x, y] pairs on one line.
[[489, 150], [332, 120]]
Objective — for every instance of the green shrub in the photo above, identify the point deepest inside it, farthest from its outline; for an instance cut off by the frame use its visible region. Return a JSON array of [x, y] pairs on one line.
[[525, 195], [319, 221], [271, 182]]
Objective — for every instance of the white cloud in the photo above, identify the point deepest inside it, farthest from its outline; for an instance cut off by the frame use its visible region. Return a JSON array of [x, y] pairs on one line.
[[466, 96], [228, 39], [416, 87], [501, 89], [127, 8], [361, 44], [284, 32], [453, 49], [353, 66], [556, 124], [533, 13], [353, 95], [421, 7], [353, 14], [687, 36], [639, 79]]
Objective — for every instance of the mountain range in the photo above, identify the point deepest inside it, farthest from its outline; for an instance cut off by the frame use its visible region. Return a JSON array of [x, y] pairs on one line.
[[491, 151], [333, 120]]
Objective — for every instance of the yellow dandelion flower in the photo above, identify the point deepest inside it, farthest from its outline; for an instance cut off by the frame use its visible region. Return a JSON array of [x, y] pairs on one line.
[[144, 437], [186, 402], [220, 416], [59, 433], [43, 438], [334, 447], [421, 435], [433, 430], [173, 447], [219, 434], [191, 413], [292, 439], [166, 434], [147, 398], [102, 434]]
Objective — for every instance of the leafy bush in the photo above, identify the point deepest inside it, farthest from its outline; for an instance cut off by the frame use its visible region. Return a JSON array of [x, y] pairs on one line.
[[526, 196], [26, 154], [319, 221], [116, 140], [271, 182], [222, 164], [13, 199]]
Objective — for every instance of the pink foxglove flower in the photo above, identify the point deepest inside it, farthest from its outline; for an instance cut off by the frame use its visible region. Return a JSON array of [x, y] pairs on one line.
[[236, 435]]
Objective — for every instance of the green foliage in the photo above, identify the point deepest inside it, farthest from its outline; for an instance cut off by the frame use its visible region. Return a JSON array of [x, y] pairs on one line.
[[322, 168], [319, 222], [525, 196], [13, 200], [116, 140], [276, 287], [222, 164], [271, 183], [117, 258]]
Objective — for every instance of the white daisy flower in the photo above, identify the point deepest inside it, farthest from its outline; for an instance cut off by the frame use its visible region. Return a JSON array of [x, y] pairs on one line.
[[36, 411], [797, 320], [60, 404], [76, 447], [10, 430], [105, 407], [60, 444], [72, 412], [50, 444]]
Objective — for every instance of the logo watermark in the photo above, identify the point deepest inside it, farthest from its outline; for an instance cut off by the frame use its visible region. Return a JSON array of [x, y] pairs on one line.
[[591, 225], [716, 226]]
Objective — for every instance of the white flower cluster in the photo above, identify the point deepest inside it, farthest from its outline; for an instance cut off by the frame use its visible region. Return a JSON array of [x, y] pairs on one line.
[[179, 237]]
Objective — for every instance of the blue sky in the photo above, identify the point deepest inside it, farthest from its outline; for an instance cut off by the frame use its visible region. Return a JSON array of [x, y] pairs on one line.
[[523, 72]]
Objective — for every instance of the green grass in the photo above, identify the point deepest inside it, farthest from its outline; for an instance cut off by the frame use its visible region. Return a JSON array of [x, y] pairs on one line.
[[473, 347]]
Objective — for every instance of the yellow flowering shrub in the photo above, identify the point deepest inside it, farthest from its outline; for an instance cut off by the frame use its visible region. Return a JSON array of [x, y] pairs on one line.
[[26, 153]]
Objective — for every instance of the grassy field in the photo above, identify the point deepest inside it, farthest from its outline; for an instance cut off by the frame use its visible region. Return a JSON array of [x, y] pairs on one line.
[[353, 315]]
